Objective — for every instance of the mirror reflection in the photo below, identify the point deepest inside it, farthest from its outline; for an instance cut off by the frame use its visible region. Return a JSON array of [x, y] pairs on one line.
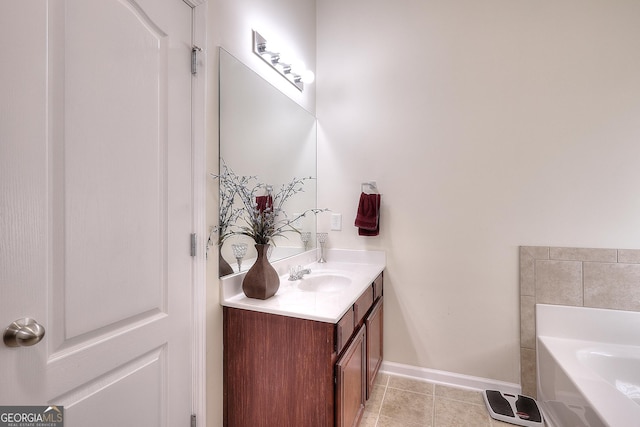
[[264, 133]]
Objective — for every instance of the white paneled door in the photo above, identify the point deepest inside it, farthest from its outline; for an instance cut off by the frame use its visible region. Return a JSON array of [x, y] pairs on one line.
[[96, 208]]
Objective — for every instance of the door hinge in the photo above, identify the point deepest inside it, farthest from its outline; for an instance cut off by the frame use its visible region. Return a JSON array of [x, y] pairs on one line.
[[194, 240], [193, 420], [194, 59]]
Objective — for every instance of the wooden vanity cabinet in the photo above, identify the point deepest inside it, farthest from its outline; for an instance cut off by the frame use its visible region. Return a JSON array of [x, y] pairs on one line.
[[285, 371]]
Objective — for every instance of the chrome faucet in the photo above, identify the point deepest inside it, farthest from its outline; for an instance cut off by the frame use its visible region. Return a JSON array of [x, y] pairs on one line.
[[298, 273]]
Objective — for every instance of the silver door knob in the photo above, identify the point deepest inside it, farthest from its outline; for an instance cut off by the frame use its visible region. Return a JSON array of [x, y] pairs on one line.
[[23, 333]]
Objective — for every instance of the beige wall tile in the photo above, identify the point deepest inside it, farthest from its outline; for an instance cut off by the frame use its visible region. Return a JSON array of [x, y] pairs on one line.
[[583, 254], [527, 322], [559, 282], [528, 256], [528, 372], [536, 252], [615, 286], [527, 273], [631, 256]]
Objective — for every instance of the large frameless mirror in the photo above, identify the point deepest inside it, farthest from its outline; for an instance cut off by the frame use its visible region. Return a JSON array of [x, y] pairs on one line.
[[264, 133]]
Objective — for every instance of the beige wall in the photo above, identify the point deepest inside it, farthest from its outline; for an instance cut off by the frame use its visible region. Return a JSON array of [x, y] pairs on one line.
[[487, 125], [229, 25]]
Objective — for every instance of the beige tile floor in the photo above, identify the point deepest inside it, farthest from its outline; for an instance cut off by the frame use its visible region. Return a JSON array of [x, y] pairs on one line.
[[401, 402]]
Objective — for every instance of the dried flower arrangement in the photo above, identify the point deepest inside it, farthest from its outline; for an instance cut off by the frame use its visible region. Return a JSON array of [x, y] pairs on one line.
[[229, 214], [262, 223]]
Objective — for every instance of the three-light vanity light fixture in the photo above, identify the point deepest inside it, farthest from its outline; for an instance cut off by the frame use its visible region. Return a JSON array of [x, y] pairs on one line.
[[294, 72]]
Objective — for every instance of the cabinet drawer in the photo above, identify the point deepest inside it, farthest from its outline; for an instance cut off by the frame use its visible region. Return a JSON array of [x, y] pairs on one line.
[[363, 304], [344, 329]]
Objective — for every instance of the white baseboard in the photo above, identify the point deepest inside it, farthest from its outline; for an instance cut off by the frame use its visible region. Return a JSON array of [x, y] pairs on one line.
[[448, 378]]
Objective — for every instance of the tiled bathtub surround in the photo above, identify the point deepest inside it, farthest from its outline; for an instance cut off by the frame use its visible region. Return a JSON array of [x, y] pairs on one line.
[[599, 278]]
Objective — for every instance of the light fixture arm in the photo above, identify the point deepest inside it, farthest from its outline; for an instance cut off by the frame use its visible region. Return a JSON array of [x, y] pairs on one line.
[[272, 58]]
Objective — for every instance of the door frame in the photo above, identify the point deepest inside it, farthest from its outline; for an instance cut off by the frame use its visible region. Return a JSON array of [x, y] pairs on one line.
[[199, 179]]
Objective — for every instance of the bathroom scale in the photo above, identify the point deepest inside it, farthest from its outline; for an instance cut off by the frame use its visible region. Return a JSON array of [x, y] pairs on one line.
[[513, 408]]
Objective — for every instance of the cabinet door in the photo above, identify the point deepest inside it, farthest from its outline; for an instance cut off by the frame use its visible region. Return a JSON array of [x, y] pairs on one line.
[[374, 324], [351, 382]]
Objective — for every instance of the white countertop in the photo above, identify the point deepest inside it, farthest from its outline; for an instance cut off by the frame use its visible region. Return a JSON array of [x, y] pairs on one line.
[[362, 267]]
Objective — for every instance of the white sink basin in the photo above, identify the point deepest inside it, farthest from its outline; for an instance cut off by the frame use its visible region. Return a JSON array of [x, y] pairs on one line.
[[324, 282]]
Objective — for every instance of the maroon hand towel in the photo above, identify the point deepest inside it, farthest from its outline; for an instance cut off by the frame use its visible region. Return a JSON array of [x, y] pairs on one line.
[[368, 216], [264, 202]]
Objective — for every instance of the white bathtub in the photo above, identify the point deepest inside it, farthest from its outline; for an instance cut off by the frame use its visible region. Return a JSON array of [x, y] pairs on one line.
[[588, 366]]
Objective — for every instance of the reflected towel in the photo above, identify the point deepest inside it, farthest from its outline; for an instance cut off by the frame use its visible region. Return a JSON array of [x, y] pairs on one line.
[[264, 202], [368, 215]]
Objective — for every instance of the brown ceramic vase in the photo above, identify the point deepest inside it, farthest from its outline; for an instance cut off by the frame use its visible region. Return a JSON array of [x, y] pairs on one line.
[[261, 281], [223, 266]]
